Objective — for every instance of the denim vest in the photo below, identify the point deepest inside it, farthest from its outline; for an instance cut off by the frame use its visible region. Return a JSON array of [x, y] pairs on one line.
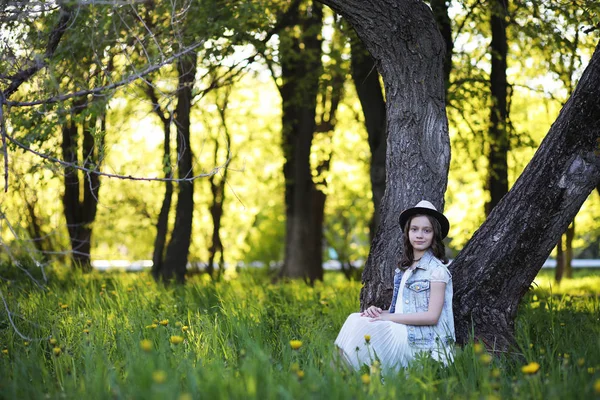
[[415, 298]]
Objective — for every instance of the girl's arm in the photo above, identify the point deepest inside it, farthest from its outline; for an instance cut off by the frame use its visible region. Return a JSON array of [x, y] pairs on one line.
[[429, 317]]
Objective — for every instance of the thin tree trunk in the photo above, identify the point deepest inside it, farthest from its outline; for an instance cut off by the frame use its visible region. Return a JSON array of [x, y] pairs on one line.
[[370, 94], [499, 263], [569, 250], [301, 67], [176, 258], [162, 223], [216, 212], [560, 260], [498, 142], [440, 13], [81, 214]]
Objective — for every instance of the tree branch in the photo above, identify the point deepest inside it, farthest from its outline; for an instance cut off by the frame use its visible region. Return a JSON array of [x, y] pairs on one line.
[[53, 41]]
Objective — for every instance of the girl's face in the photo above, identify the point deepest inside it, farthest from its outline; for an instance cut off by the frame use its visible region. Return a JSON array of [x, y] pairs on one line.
[[420, 233]]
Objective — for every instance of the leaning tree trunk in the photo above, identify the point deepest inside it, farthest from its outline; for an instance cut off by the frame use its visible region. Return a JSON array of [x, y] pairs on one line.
[[175, 263], [404, 40], [499, 263]]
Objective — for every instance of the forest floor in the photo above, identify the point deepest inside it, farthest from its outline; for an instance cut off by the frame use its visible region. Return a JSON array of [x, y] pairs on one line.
[[119, 335]]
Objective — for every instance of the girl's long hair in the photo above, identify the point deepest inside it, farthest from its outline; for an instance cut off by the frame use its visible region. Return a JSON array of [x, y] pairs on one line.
[[437, 245]]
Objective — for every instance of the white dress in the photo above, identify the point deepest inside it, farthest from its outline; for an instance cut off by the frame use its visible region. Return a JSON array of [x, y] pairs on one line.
[[388, 340]]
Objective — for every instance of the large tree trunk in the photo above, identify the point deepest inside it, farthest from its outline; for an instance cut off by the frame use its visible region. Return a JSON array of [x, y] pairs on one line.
[[81, 214], [370, 94], [175, 264], [497, 181], [300, 68], [499, 263], [405, 42]]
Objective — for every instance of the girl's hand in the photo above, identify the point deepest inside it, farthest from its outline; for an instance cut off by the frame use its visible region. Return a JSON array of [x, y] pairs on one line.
[[380, 317], [372, 312]]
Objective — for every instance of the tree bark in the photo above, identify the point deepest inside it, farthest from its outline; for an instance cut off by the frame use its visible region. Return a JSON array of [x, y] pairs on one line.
[[497, 266], [176, 258], [498, 142], [409, 52], [300, 69], [370, 94]]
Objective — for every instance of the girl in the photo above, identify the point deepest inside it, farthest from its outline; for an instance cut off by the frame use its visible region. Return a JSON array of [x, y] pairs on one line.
[[420, 317]]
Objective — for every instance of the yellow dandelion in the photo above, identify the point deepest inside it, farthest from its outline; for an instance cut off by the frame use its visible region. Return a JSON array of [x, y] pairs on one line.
[[146, 345], [26, 343], [155, 321], [566, 355], [367, 338], [130, 289], [597, 386], [86, 331], [300, 374], [562, 324], [366, 379], [159, 376], [185, 328], [581, 362], [295, 344], [56, 351], [530, 368], [531, 345], [53, 341], [5, 352], [176, 339], [495, 373], [486, 358], [151, 326], [88, 322], [64, 306], [103, 286], [164, 322], [113, 292], [542, 351], [478, 348], [591, 370]]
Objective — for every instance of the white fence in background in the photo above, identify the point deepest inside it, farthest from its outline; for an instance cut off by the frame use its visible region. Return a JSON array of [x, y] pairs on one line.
[[331, 265]]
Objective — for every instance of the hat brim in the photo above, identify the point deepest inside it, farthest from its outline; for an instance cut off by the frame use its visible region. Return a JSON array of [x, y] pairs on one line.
[[406, 214]]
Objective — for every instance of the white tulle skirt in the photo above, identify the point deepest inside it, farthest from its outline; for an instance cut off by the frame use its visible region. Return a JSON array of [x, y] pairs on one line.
[[388, 343]]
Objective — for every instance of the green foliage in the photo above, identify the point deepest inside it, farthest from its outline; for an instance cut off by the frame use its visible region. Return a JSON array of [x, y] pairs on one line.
[[121, 335]]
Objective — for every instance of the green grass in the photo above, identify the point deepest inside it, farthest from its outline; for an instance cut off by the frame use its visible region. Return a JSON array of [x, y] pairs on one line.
[[236, 343]]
